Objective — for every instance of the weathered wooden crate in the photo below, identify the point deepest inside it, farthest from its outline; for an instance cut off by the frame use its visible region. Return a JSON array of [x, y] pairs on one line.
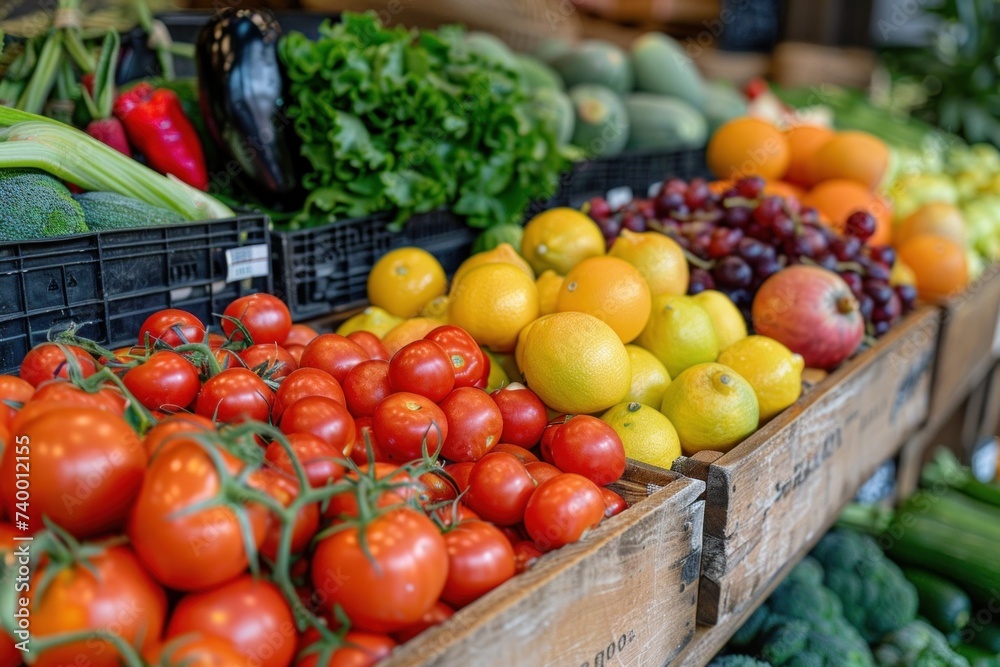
[[785, 484], [967, 345], [624, 595]]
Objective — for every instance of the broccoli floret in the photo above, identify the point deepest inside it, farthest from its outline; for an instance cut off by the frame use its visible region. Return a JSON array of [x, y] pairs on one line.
[[785, 642], [36, 205], [917, 644], [747, 634], [876, 597], [737, 661], [801, 596], [110, 210]]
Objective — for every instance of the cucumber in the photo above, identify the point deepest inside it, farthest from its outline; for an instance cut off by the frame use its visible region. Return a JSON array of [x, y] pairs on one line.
[[595, 61], [942, 603]]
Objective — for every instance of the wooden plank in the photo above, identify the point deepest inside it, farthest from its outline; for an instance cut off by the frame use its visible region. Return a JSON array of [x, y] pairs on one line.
[[781, 487], [624, 595], [965, 350]]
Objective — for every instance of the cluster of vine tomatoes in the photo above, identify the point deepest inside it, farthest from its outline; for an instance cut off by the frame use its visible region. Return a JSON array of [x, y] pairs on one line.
[[274, 495]]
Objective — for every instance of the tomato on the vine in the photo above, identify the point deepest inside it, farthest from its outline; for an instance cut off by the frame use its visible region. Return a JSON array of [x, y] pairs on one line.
[[474, 424], [66, 393], [366, 385], [235, 395], [360, 649], [321, 461], [589, 447], [48, 361], [364, 434], [373, 344], [299, 334], [250, 614], [172, 428], [164, 381], [323, 417], [422, 367], [613, 503], [499, 488], [334, 354], [173, 327], [454, 514], [394, 581], [467, 359], [403, 421], [13, 390], [86, 468], [480, 558], [265, 317], [562, 509], [437, 488], [275, 360], [524, 415], [302, 383], [198, 650], [460, 473], [285, 489]]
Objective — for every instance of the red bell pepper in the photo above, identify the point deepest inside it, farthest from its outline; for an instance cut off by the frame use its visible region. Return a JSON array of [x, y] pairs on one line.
[[157, 127]]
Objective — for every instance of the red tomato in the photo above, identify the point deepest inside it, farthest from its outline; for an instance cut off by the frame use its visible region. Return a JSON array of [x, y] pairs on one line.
[[523, 455], [460, 473], [86, 467], [173, 327], [13, 390], [250, 614], [345, 505], [48, 361], [467, 358], [334, 354], [474, 424], [613, 503], [359, 453], [499, 489], [479, 559], [302, 383], [545, 446], [265, 317], [439, 613], [320, 460], [61, 391], [524, 415], [372, 344], [525, 555], [285, 490], [562, 509], [541, 471], [361, 649], [111, 593], [299, 334], [436, 488], [589, 447], [269, 358], [228, 359], [165, 381], [403, 421], [235, 395], [391, 584], [172, 428], [295, 351], [198, 650], [454, 514], [183, 549], [323, 417], [423, 368], [365, 386], [216, 341]]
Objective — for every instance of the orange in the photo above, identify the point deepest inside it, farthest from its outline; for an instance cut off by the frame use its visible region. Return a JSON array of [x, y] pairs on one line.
[[610, 289], [803, 143], [493, 302], [936, 218], [857, 156], [504, 252], [548, 285], [748, 146], [403, 280], [938, 263], [783, 189], [836, 199], [408, 331], [658, 257]]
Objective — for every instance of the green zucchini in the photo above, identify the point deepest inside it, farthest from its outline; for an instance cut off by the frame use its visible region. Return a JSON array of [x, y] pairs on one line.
[[942, 603]]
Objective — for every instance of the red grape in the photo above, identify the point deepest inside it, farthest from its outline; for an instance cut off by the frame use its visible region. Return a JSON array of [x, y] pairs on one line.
[[860, 225]]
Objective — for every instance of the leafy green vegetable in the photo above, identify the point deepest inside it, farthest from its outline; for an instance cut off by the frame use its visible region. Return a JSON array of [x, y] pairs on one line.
[[394, 120]]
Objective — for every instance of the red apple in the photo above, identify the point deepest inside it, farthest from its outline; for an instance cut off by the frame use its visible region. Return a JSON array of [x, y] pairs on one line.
[[810, 311]]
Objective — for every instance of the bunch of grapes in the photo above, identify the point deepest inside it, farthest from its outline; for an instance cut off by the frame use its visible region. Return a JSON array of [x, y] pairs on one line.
[[736, 240]]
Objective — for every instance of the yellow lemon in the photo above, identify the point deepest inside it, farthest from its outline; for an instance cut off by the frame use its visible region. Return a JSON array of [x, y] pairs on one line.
[[523, 336], [503, 253], [559, 239], [493, 302], [902, 274], [403, 280], [374, 319], [726, 317], [659, 259], [774, 372], [610, 289], [436, 308], [576, 363], [712, 407], [649, 377], [408, 331], [548, 285], [680, 333], [647, 434]]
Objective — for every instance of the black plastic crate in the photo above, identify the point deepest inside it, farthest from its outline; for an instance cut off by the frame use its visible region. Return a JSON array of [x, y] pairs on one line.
[[325, 269], [636, 170], [108, 283]]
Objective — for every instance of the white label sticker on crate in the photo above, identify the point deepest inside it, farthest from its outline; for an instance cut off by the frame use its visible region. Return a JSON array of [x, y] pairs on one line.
[[252, 261], [619, 197]]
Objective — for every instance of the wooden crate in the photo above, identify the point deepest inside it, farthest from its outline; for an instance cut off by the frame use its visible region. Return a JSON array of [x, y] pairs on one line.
[[784, 485], [968, 346], [624, 595]]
